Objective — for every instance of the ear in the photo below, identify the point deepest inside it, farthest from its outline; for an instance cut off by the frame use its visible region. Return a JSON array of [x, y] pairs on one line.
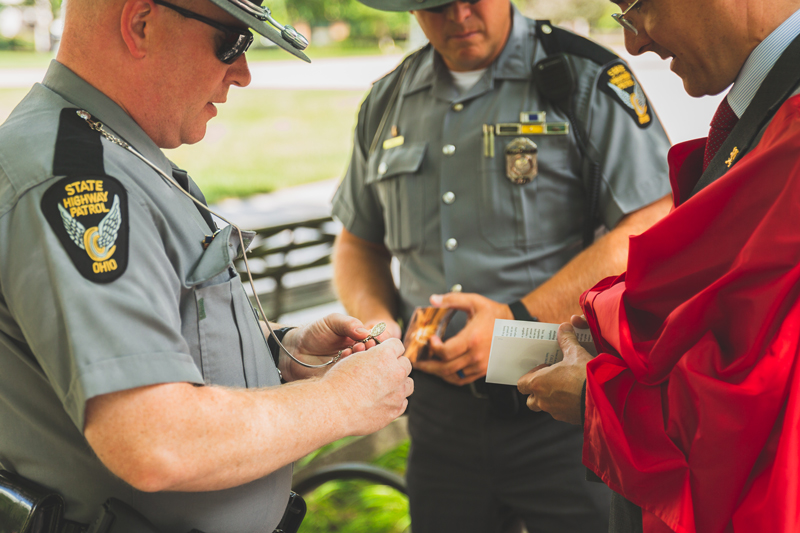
[[135, 19]]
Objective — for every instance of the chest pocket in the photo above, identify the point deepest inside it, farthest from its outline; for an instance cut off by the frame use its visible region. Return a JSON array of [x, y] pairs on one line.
[[547, 209], [232, 349], [396, 178]]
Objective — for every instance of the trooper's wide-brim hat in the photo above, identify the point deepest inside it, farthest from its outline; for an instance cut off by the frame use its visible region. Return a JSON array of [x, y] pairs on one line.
[[403, 5], [238, 8]]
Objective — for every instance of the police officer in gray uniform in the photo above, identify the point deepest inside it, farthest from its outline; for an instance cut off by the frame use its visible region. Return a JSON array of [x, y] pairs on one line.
[[484, 163], [132, 364]]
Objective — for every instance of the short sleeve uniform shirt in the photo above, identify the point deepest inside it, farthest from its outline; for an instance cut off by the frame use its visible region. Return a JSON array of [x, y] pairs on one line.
[[105, 285], [435, 189]]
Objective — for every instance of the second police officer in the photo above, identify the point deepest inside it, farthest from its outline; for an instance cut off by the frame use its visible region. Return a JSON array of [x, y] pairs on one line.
[[485, 163]]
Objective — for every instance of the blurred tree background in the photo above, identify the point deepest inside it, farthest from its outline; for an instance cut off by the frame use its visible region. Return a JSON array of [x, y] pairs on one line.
[[36, 24]]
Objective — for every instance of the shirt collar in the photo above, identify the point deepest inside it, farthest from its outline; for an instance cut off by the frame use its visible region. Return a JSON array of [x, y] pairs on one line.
[[514, 62], [83, 95], [760, 62]]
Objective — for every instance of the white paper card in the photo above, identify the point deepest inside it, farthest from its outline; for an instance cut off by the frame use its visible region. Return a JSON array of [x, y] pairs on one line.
[[519, 346]]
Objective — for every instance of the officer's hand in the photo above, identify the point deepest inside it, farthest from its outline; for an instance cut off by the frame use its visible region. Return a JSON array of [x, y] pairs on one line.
[[557, 388], [371, 386], [468, 350], [316, 343]]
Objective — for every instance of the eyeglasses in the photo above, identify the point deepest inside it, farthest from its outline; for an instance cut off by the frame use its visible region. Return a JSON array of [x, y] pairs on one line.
[[237, 40], [443, 7], [625, 23]]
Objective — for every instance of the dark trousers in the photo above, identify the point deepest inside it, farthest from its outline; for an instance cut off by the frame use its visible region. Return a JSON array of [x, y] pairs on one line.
[[470, 470], [626, 517]]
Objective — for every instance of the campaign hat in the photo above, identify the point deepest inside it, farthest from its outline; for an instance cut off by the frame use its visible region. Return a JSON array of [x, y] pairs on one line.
[[259, 18], [404, 5]]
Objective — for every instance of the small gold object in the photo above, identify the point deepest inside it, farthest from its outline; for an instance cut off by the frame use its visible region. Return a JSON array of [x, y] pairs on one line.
[[376, 331], [730, 160], [488, 140], [395, 131]]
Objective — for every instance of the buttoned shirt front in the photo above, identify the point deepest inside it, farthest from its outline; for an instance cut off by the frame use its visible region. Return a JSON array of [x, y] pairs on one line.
[[443, 205]]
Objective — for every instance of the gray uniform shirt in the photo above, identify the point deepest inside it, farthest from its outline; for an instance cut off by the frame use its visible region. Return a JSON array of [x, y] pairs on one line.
[[175, 312], [449, 213]]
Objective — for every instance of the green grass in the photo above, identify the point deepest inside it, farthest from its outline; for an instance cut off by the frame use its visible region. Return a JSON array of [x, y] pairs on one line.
[[356, 506], [24, 59], [263, 140]]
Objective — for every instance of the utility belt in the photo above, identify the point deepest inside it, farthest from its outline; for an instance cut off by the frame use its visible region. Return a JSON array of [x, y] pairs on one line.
[[26, 507]]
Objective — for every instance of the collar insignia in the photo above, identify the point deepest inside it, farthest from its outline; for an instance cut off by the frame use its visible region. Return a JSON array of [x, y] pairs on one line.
[[730, 160]]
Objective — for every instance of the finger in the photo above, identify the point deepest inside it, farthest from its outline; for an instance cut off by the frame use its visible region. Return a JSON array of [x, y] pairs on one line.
[[406, 364], [454, 347], [524, 384], [579, 321], [442, 368], [532, 404], [463, 301], [395, 347], [569, 342], [345, 326]]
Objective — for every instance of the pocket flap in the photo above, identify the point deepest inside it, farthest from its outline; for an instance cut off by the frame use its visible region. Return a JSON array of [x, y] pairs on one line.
[[219, 255], [405, 159]]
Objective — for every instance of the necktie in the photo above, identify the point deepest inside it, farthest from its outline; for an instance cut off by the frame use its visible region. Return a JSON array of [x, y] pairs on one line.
[[721, 125]]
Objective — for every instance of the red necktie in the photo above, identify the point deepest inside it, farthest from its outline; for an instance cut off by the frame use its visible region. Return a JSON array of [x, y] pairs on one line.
[[721, 125]]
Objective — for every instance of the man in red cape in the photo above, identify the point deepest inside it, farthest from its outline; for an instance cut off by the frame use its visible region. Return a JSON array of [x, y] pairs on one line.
[[691, 410]]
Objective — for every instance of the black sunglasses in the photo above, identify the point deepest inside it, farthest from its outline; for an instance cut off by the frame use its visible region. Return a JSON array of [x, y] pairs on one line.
[[237, 40], [441, 8]]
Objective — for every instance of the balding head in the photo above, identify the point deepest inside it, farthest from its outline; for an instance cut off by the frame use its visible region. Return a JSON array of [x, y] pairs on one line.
[[709, 40], [160, 66]]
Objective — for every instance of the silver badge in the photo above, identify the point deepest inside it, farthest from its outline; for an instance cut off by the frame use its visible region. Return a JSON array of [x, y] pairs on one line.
[[521, 163]]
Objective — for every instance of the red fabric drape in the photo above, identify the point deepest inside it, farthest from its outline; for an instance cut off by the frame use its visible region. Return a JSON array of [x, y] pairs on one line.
[[693, 406]]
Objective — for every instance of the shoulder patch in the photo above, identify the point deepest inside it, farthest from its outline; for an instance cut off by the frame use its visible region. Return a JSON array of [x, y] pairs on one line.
[[89, 214], [618, 81]]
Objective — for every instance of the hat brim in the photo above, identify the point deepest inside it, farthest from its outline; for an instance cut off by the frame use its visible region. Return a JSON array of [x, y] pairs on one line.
[[260, 27], [403, 5]]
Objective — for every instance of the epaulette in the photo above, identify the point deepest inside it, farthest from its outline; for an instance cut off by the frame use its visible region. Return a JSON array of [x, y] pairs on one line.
[[556, 40]]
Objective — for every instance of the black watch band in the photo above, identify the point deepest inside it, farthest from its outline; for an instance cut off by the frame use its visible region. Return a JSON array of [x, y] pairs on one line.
[[521, 312], [274, 349]]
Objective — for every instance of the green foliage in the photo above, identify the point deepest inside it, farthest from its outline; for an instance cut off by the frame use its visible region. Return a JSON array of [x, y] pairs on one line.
[[560, 10], [265, 139], [355, 506], [366, 23]]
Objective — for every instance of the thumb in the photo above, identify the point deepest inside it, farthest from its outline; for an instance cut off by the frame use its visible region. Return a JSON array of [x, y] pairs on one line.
[[567, 340]]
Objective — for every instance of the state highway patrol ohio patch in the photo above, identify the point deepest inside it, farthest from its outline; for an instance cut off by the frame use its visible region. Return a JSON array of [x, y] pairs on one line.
[[89, 214], [618, 82]]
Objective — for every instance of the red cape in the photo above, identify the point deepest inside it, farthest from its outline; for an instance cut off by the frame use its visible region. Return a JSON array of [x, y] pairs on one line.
[[693, 406]]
